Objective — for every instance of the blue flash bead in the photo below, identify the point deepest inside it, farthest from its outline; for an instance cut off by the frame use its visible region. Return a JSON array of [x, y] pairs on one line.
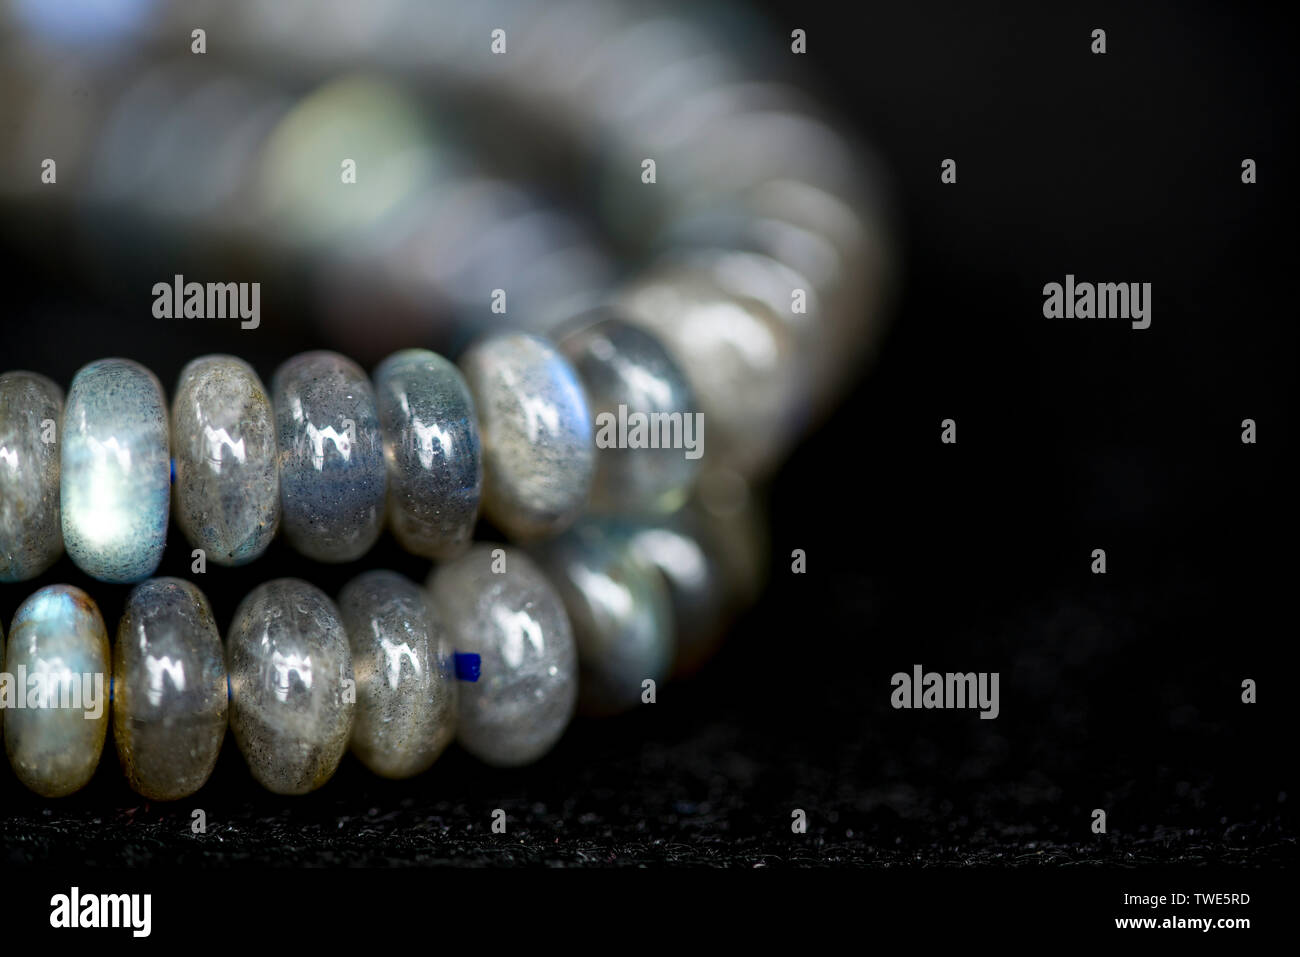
[[116, 471], [54, 736], [333, 480]]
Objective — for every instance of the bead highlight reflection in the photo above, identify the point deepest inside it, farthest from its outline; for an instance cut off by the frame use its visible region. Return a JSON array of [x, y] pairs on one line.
[[116, 472]]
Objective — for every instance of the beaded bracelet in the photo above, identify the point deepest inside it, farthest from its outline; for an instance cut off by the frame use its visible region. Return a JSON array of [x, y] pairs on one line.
[[766, 272]]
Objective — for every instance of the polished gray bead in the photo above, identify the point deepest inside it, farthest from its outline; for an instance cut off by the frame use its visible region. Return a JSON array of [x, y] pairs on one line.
[[406, 681], [713, 555], [697, 586], [619, 607], [845, 249], [332, 473], [56, 690], [740, 353], [498, 604], [169, 689], [431, 445], [536, 427], [292, 697], [649, 433], [116, 472], [31, 531], [227, 473]]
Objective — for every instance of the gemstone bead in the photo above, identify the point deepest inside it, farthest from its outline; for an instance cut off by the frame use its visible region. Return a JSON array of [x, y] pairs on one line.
[[291, 703], [538, 451], [57, 695], [116, 472], [31, 533], [227, 476], [498, 604], [406, 682], [619, 607], [169, 689], [697, 588], [431, 445], [332, 473], [630, 380], [741, 356]]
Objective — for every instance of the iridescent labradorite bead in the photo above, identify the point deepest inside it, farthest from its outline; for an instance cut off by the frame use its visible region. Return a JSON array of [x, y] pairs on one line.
[[332, 473], [227, 476], [57, 695], [431, 445], [741, 356], [116, 473], [169, 690], [645, 417], [619, 607], [697, 586], [31, 532], [498, 605], [291, 701], [538, 446], [406, 682]]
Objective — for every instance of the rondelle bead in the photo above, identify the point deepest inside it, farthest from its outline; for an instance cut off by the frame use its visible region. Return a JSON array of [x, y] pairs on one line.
[[406, 681], [169, 689], [649, 433], [740, 355], [227, 476], [536, 427], [497, 604], [57, 690], [31, 533], [116, 473], [619, 608], [697, 586], [332, 473], [431, 445], [291, 700]]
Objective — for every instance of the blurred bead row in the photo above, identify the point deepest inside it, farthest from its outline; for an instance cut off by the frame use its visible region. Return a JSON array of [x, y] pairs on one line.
[[759, 195], [300, 678], [331, 453]]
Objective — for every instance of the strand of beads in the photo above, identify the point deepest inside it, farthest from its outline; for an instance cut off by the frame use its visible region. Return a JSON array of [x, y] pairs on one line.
[[300, 678], [328, 455], [305, 677]]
